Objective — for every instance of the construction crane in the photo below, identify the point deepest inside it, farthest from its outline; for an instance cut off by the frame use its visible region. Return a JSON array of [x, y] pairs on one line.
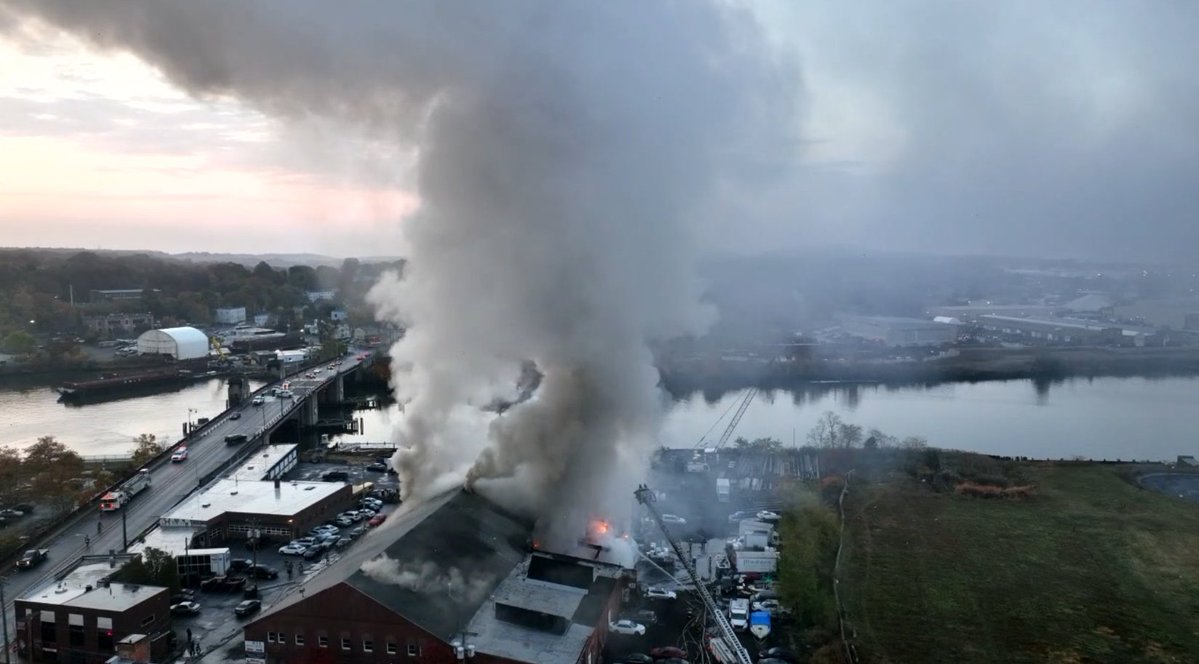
[[646, 496], [728, 430]]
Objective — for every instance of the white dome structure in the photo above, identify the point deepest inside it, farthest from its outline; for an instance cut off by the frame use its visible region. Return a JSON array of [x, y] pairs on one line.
[[181, 343]]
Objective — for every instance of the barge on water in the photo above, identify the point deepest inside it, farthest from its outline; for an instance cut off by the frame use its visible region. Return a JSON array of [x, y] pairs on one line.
[[114, 385]]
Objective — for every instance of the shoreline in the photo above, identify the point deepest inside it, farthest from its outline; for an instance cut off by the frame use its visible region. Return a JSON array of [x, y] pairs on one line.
[[1047, 366]]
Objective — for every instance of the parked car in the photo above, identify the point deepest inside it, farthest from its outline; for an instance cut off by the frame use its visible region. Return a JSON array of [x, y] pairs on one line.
[[638, 658], [292, 549], [659, 593], [645, 616], [341, 543], [627, 627], [247, 607], [668, 651], [740, 515], [262, 572], [344, 521], [377, 467], [357, 530], [335, 476], [183, 596], [304, 541], [185, 608], [239, 564], [179, 455], [768, 516], [377, 520], [674, 519]]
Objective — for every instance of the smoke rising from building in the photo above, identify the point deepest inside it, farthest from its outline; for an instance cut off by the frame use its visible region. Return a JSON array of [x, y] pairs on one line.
[[564, 153]]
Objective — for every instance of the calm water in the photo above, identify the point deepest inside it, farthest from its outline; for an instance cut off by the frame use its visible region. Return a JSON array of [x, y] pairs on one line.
[[1098, 418], [109, 427]]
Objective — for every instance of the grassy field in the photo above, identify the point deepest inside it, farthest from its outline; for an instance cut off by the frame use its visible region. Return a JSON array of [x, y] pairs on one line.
[[1089, 569]]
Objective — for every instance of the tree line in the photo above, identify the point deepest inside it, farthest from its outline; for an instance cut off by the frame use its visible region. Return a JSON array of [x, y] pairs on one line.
[[36, 288]]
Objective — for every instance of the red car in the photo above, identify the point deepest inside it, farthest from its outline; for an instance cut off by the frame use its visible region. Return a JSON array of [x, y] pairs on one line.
[[377, 519], [668, 651]]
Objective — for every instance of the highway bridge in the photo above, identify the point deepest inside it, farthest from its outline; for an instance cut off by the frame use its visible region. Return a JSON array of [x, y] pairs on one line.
[[208, 458]]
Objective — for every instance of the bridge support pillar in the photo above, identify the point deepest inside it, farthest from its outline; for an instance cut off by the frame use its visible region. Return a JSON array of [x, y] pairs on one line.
[[309, 414], [339, 389]]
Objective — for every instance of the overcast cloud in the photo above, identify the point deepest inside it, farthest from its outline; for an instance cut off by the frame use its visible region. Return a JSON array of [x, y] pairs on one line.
[[1062, 128]]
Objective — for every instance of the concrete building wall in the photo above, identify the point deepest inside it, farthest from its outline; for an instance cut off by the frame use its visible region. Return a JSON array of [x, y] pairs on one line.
[[229, 315]]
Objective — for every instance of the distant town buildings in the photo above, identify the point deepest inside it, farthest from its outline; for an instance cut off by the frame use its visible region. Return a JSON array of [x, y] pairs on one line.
[[317, 296], [894, 331], [109, 326]]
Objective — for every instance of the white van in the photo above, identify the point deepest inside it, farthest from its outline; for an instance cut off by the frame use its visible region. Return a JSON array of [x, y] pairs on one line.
[[739, 614]]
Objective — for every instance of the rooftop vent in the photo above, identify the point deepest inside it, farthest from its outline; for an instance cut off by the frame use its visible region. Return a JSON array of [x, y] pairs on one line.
[[309, 488]]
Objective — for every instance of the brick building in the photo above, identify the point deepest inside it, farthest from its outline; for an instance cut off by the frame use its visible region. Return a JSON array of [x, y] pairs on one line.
[[81, 618], [452, 566], [114, 325]]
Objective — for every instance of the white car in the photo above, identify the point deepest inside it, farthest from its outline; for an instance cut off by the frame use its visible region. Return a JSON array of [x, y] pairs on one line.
[[179, 456], [768, 605], [767, 515], [674, 519], [627, 627], [286, 394], [292, 549], [659, 593]]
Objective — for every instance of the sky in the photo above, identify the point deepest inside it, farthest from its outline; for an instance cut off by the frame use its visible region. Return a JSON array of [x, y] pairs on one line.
[[1026, 128]]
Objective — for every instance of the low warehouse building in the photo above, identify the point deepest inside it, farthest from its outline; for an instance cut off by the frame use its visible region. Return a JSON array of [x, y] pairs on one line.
[[453, 566], [181, 343], [83, 616]]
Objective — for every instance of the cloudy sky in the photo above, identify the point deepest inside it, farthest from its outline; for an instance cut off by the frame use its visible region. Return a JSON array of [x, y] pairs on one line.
[[1063, 128]]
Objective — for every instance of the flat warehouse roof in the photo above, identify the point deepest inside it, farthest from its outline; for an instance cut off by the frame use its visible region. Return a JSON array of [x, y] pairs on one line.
[[72, 590], [229, 495]]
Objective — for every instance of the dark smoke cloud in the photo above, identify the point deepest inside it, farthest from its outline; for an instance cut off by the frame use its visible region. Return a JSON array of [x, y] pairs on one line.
[[563, 154]]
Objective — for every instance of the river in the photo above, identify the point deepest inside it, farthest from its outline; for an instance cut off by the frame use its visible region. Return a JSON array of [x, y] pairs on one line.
[[1100, 418]]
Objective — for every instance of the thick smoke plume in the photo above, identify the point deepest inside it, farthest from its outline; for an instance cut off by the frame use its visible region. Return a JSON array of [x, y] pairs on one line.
[[429, 578], [565, 152]]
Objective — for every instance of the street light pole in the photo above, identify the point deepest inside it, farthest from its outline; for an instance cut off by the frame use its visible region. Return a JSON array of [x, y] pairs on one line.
[[4, 616]]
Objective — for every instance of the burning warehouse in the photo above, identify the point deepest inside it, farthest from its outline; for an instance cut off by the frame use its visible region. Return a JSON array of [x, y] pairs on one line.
[[455, 572]]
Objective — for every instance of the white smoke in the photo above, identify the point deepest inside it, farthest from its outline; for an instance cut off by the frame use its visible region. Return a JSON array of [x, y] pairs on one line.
[[565, 152], [429, 578]]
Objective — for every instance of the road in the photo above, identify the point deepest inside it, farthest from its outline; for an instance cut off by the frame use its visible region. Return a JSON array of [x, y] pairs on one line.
[[170, 483]]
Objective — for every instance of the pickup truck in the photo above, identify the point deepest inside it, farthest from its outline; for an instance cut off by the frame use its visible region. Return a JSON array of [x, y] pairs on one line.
[[32, 557]]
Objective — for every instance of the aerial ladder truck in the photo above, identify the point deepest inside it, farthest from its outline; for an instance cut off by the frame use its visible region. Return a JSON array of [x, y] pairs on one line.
[[728, 637]]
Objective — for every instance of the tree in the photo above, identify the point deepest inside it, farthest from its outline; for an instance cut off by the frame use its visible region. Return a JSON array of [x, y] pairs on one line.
[[11, 475], [914, 443], [147, 448], [880, 439], [153, 567], [19, 342], [55, 471], [824, 433]]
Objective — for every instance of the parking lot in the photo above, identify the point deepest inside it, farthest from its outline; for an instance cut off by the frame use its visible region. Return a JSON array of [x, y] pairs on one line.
[[216, 624]]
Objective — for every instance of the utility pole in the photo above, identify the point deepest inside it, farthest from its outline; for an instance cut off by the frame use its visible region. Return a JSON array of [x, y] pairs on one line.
[[4, 616], [124, 532]]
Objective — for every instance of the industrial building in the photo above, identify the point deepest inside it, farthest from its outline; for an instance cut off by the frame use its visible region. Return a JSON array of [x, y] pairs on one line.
[[181, 343], [452, 580], [195, 535], [229, 315], [112, 325], [81, 617], [894, 331]]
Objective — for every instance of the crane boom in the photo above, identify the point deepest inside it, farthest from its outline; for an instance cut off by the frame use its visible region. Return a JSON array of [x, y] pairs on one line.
[[728, 431], [646, 497]]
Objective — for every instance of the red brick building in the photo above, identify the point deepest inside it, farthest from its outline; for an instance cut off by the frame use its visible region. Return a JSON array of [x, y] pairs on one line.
[[456, 565], [80, 618]]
